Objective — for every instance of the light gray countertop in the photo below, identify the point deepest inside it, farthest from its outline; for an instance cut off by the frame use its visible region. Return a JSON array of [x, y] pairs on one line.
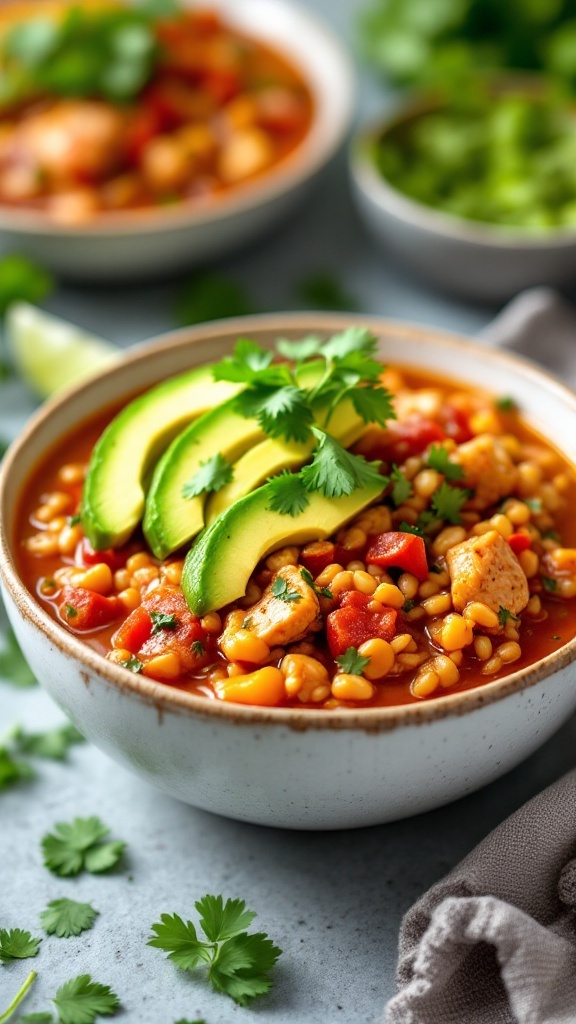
[[332, 901]]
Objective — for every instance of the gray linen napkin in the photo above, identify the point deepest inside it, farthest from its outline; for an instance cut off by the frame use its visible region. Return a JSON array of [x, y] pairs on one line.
[[495, 941]]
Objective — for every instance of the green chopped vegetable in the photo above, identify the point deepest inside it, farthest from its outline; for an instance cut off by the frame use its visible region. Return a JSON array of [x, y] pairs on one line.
[[281, 590], [352, 662]]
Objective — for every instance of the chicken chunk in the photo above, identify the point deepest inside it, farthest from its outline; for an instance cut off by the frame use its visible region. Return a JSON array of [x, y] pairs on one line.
[[280, 617], [73, 140], [486, 569], [488, 469]]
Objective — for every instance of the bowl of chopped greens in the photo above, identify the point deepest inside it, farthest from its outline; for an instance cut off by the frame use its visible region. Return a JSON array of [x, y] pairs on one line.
[[308, 571], [476, 192], [136, 139]]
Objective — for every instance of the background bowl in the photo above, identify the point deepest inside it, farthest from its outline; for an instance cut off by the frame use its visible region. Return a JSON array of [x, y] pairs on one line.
[[144, 243], [288, 767], [465, 257]]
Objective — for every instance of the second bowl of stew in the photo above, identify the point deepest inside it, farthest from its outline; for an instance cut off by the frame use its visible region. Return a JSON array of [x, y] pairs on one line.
[[322, 577]]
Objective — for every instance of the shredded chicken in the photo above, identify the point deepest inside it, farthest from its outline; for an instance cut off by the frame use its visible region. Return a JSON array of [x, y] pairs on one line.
[[486, 569], [279, 621], [488, 470]]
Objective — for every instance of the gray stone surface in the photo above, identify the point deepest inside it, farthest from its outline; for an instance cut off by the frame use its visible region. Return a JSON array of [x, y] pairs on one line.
[[332, 901]]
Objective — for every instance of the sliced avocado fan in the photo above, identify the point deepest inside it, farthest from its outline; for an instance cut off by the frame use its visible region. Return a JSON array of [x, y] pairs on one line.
[[218, 567]]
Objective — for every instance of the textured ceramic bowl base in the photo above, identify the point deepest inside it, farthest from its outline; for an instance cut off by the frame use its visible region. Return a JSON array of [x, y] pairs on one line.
[[285, 767], [148, 243], [466, 258]]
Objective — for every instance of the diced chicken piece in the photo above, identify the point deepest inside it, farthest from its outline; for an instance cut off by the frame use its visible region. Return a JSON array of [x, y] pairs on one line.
[[72, 140], [486, 569], [488, 469], [280, 620], [427, 401]]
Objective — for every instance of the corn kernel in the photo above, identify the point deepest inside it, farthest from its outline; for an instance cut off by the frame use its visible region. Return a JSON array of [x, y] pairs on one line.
[[263, 687], [390, 595], [381, 655], [242, 645], [346, 686]]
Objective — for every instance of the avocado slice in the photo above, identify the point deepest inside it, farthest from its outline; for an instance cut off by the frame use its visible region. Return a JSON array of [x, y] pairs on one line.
[[275, 454], [218, 567], [170, 519], [113, 496]]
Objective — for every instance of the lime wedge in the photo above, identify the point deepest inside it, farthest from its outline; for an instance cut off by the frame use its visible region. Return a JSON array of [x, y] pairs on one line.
[[50, 353]]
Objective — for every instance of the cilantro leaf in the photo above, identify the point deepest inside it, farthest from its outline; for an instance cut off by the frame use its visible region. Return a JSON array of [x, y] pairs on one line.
[[287, 494], [208, 296], [549, 584], [197, 648], [298, 351], [238, 963], [16, 944], [78, 845], [162, 621], [81, 1000], [280, 411], [133, 664], [447, 501], [309, 579], [213, 475], [505, 615], [22, 280], [439, 459], [324, 291], [352, 340], [334, 471], [13, 665], [506, 404], [534, 504], [352, 662], [219, 920], [401, 486], [53, 744], [13, 770], [372, 403], [66, 917], [405, 527], [249, 364], [281, 590]]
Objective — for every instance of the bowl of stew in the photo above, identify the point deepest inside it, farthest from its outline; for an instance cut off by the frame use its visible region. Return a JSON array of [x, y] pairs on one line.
[[343, 627], [135, 144], [475, 193]]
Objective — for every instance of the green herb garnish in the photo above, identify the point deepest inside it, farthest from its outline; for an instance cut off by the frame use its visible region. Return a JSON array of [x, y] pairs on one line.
[[212, 476], [335, 471], [133, 664], [161, 621], [506, 404], [505, 616], [287, 494], [16, 944], [401, 486], [238, 962], [281, 590], [439, 459], [79, 845], [352, 662], [309, 579], [197, 648], [447, 502], [65, 917], [549, 584]]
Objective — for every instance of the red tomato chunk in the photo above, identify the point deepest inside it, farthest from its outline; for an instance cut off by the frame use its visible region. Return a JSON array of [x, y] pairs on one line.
[[140, 635], [83, 609], [353, 623], [400, 550]]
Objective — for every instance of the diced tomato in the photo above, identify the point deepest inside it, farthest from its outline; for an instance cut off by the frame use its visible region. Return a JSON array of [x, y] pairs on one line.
[[519, 542], [456, 423], [222, 84], [400, 439], [353, 623], [134, 632], [279, 110], [114, 558], [144, 123], [400, 550], [316, 556], [83, 609]]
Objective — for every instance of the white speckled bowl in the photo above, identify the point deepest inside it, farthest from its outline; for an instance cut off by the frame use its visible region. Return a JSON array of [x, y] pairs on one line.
[[469, 258], [158, 241], [290, 768]]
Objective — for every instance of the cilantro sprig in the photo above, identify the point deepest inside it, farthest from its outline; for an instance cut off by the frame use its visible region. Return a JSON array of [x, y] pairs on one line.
[[439, 459], [238, 962], [212, 476], [79, 1001], [281, 590], [18, 745], [352, 662], [79, 845], [334, 471], [160, 621]]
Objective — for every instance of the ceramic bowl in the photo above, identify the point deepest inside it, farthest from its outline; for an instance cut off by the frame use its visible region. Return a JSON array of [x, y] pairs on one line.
[[468, 258], [291, 768], [146, 243]]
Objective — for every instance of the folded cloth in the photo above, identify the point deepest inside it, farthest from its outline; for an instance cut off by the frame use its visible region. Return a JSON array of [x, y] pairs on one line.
[[495, 941]]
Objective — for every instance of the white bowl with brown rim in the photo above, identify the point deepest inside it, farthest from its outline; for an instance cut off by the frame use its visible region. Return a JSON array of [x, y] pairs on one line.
[[287, 767]]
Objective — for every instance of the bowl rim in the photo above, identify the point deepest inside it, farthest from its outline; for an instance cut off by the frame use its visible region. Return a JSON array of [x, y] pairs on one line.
[[378, 190], [170, 699], [298, 166]]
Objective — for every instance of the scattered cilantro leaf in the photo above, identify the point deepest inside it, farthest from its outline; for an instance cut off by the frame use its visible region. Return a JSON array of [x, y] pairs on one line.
[[16, 944], [13, 666], [281, 411], [249, 364], [439, 459], [197, 648], [287, 494], [71, 611], [238, 962], [209, 296], [298, 351], [405, 527], [549, 584], [18, 999], [133, 664], [505, 616], [281, 590], [162, 621], [309, 579], [325, 291], [81, 1000], [506, 404], [351, 341], [408, 605], [335, 471], [373, 403], [13, 770], [534, 504], [53, 744], [447, 501], [22, 280], [65, 917], [352, 662], [401, 486], [212, 475], [78, 845]]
